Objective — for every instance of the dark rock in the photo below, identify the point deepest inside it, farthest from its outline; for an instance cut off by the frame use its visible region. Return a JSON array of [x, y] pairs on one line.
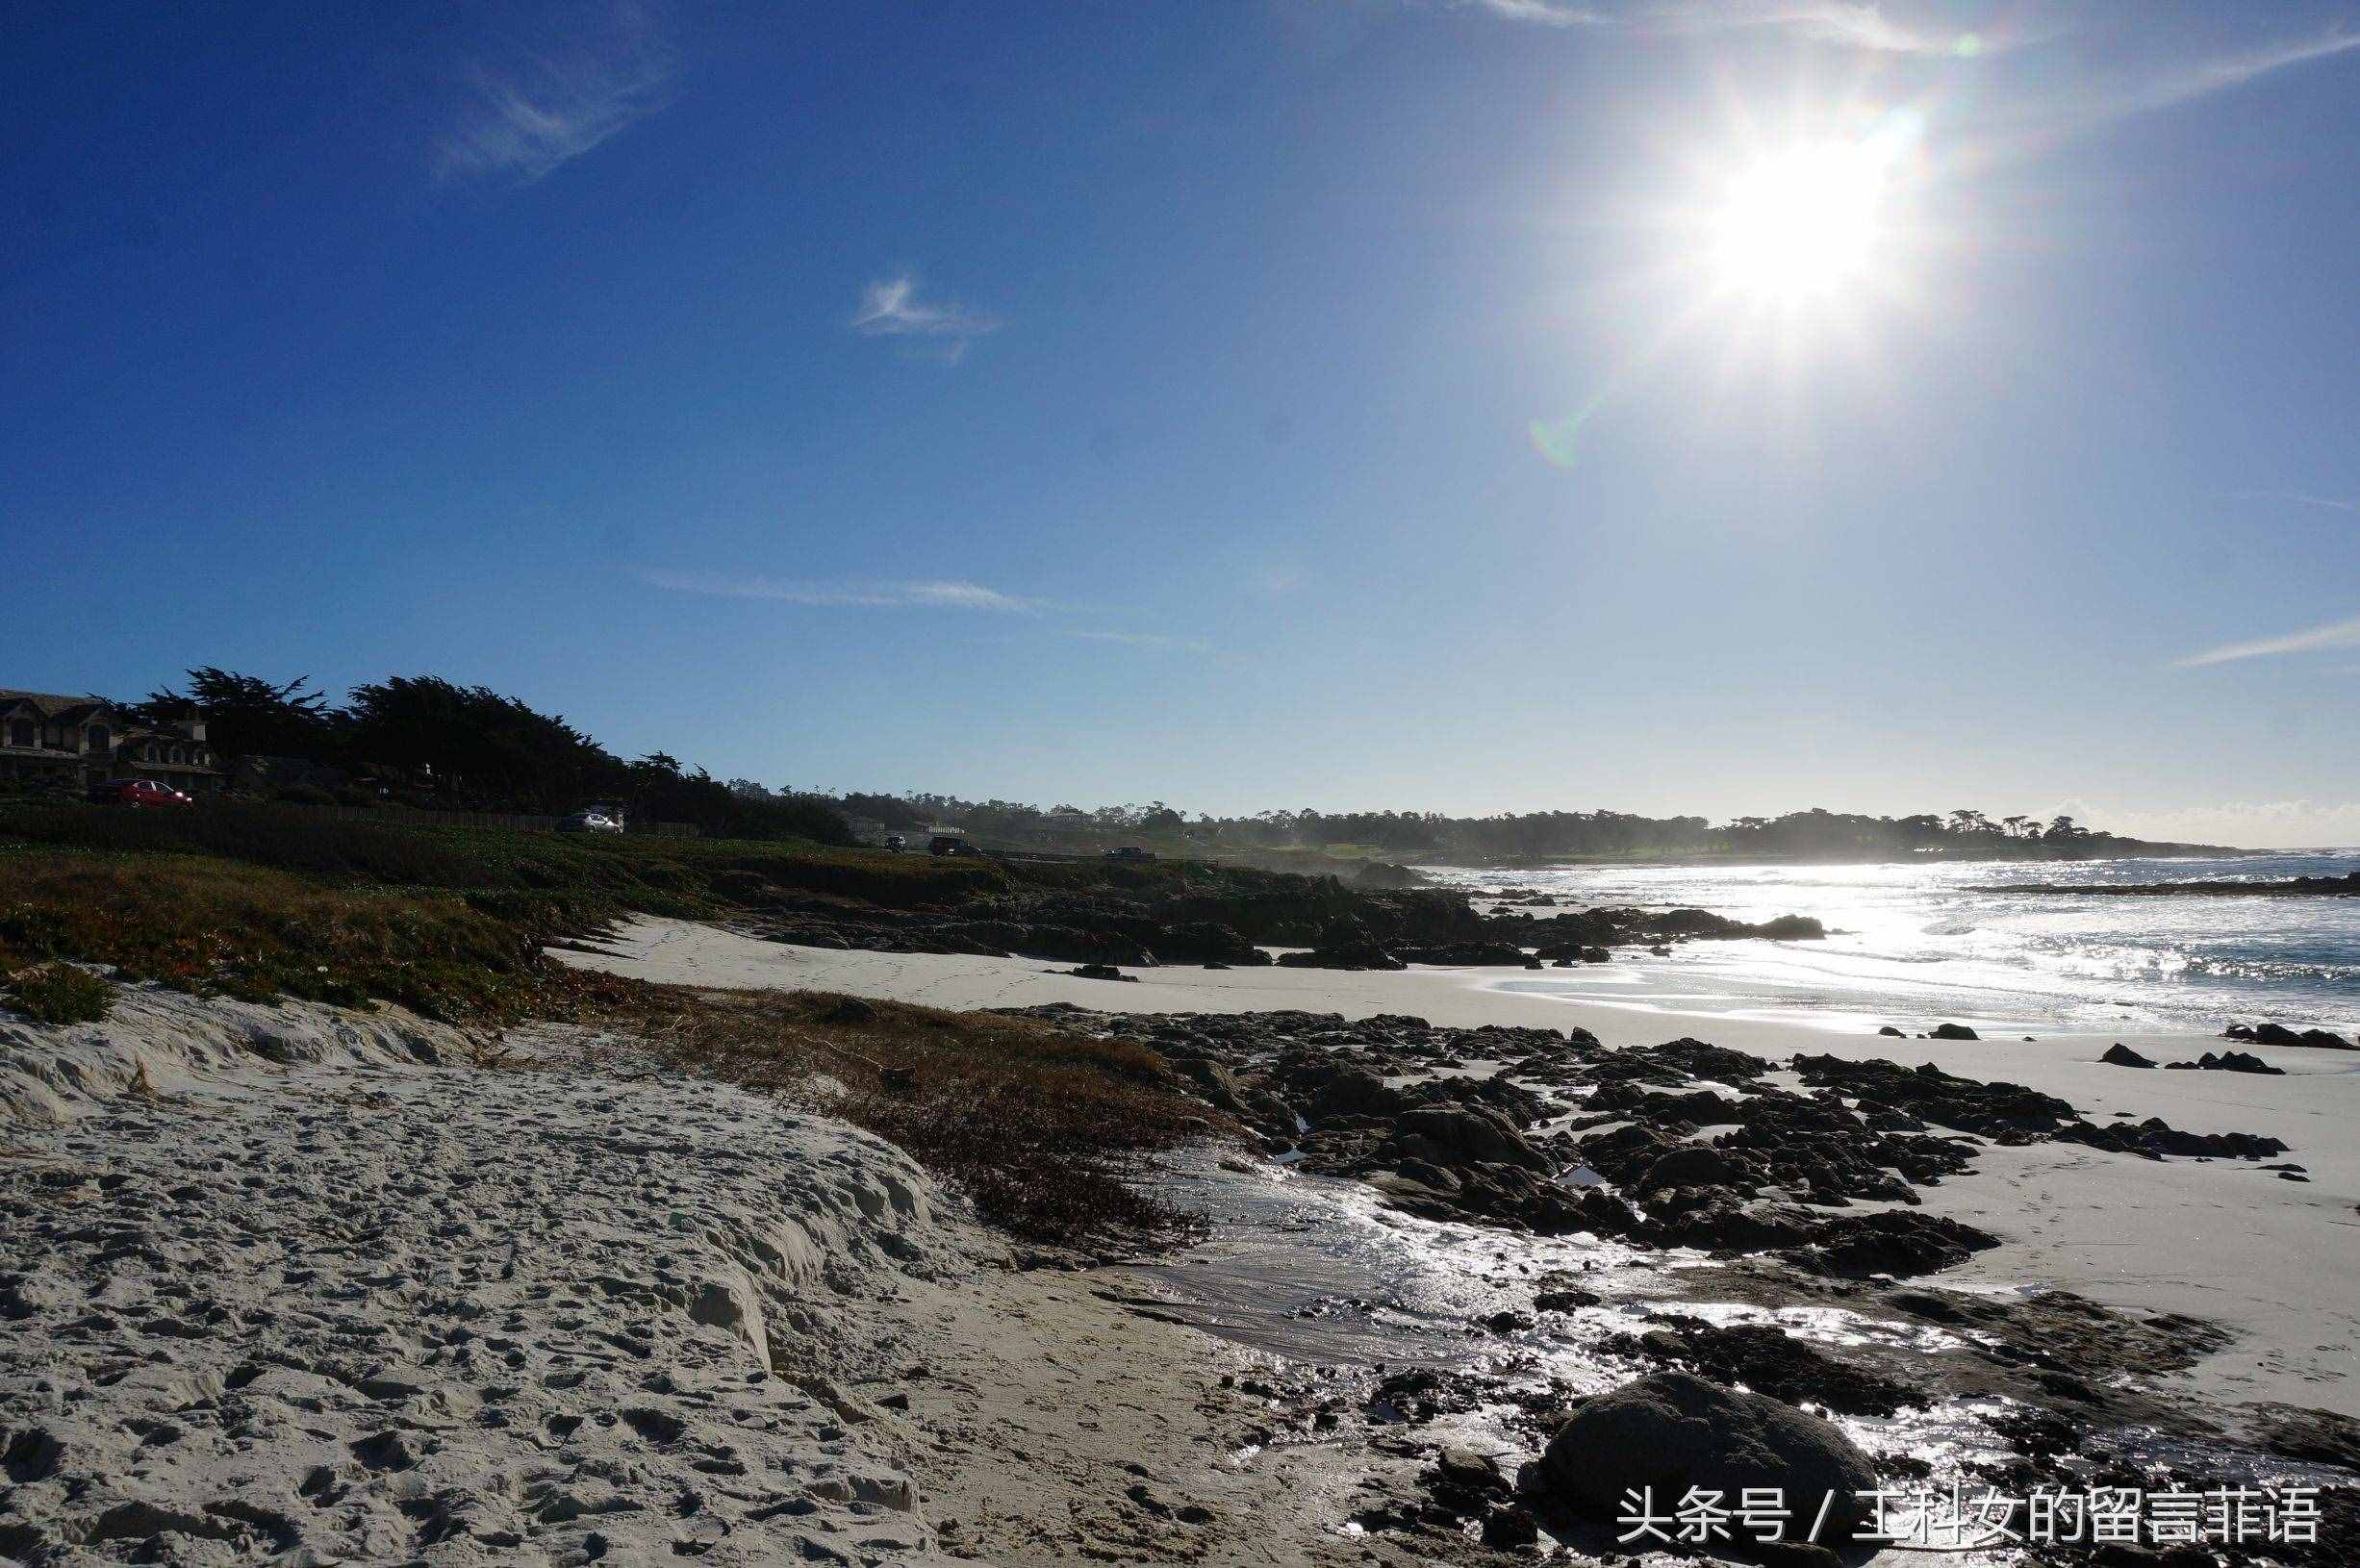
[[1900, 1243], [1696, 1165], [2157, 1139], [1099, 972], [1354, 1091], [1793, 1555], [1351, 955], [1454, 1135], [1767, 1359], [1564, 1298], [1468, 955], [1669, 1432], [1507, 1528], [1954, 1031], [1891, 1032], [2120, 1054]]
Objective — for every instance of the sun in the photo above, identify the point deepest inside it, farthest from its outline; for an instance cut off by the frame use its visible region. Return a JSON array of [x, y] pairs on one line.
[[1799, 223]]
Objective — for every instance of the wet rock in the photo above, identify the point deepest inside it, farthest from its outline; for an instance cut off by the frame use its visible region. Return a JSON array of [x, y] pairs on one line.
[[1891, 1032], [2316, 1436], [1954, 1031], [1670, 1431], [1900, 1243], [1453, 1135], [1564, 1298], [1767, 1359], [1715, 1222], [2120, 1054]]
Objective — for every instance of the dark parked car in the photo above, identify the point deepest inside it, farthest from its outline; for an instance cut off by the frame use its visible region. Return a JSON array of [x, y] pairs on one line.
[[137, 792]]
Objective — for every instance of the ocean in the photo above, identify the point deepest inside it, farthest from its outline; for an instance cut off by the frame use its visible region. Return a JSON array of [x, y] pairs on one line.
[[1914, 945]]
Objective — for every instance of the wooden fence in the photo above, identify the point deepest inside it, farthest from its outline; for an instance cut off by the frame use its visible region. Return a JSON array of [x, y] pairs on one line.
[[519, 821]]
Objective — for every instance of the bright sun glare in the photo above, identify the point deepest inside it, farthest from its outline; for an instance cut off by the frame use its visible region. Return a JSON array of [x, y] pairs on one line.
[[1800, 222]]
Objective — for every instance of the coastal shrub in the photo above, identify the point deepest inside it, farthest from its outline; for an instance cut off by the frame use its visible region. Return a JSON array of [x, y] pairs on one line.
[[59, 994], [1045, 1130], [207, 926]]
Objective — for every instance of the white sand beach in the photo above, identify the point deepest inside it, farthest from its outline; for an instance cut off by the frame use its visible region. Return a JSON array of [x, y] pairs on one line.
[[302, 1284], [2271, 1260]]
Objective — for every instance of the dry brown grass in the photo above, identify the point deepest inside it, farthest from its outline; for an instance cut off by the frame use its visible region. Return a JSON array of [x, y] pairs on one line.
[[1042, 1129]]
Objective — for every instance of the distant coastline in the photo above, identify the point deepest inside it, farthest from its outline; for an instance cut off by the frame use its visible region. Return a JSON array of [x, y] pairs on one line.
[[2019, 851], [2317, 887]]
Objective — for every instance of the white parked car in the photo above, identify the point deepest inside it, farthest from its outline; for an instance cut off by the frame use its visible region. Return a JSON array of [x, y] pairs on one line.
[[589, 821]]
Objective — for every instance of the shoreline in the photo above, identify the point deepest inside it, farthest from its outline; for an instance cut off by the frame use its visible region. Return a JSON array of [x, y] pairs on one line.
[[2213, 1239], [532, 1298]]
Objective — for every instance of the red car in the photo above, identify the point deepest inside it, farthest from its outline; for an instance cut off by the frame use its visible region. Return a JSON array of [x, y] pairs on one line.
[[137, 792]]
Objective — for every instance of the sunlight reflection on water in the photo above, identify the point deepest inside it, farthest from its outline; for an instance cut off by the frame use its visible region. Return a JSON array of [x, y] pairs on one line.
[[1921, 942]]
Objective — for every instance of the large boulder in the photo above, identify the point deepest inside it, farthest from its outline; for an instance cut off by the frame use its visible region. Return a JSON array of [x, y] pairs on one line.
[[1448, 1135], [1355, 1091], [1954, 1031], [1672, 1430], [2120, 1054], [1698, 1165]]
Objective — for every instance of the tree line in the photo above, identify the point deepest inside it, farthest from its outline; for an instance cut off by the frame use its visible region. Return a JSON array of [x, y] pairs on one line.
[[1508, 836], [428, 742]]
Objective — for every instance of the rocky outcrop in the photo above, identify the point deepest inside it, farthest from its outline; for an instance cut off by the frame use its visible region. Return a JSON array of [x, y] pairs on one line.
[[1898, 1243], [2120, 1054], [2278, 1034], [2228, 1061], [1684, 1143]]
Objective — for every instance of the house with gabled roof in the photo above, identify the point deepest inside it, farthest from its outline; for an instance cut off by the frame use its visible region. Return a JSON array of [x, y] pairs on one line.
[[74, 742]]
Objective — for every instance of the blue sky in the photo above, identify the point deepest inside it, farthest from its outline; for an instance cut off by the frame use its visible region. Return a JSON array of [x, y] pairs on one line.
[[1290, 402]]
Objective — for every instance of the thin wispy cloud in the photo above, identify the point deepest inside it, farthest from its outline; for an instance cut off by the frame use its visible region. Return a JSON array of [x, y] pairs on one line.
[[2296, 498], [1154, 642], [949, 594], [1850, 23], [2185, 82], [930, 594], [890, 307], [2341, 634], [1874, 29], [534, 108]]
